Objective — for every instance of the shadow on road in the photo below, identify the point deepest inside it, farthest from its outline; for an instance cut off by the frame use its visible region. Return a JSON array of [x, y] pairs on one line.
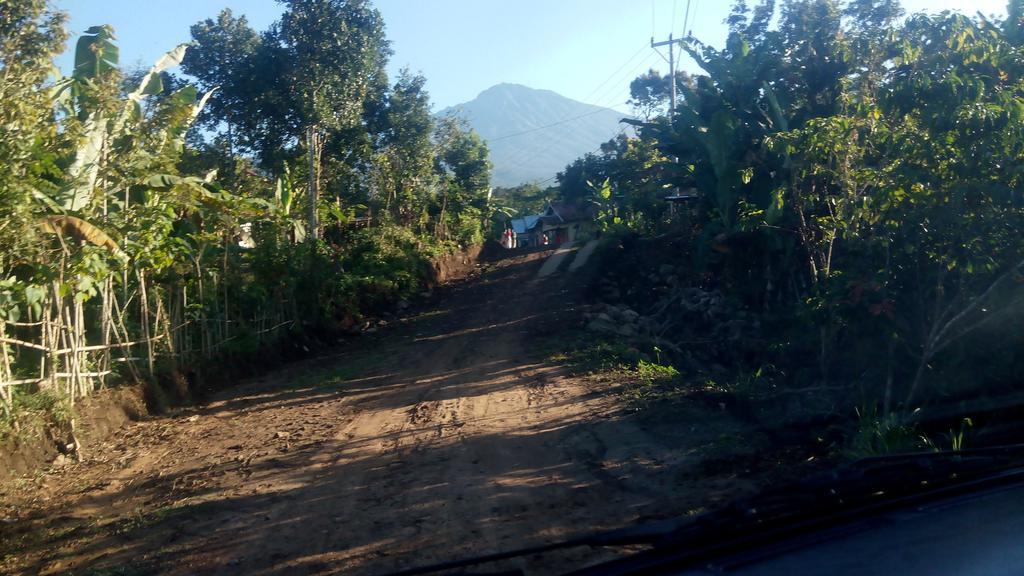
[[440, 437]]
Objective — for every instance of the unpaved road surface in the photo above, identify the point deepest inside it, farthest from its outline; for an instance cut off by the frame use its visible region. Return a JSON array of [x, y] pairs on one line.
[[444, 436]]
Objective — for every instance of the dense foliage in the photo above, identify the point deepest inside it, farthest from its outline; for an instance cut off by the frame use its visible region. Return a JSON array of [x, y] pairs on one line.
[[857, 182], [149, 226]]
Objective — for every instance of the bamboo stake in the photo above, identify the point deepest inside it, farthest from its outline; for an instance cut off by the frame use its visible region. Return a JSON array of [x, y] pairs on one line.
[[43, 335], [24, 324], [52, 330], [65, 339], [123, 336], [144, 311], [180, 331], [224, 282], [84, 360], [105, 325], [163, 321], [91, 348], [74, 336], [6, 394], [203, 330], [24, 344], [20, 382]]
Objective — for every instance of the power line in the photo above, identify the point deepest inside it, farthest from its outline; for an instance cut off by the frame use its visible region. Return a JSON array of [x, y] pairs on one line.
[[644, 62], [526, 156], [599, 86], [592, 112], [546, 126], [686, 20], [594, 151], [617, 70]]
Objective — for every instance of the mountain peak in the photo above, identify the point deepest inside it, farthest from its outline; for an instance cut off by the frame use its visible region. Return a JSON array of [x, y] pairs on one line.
[[511, 88], [534, 133]]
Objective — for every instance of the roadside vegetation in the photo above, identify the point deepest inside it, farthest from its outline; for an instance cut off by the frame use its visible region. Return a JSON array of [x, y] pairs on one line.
[[173, 229], [849, 261]]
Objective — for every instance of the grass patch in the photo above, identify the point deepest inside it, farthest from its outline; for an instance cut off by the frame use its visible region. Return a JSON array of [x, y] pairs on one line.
[[33, 410], [652, 385], [876, 435], [643, 382], [581, 352]]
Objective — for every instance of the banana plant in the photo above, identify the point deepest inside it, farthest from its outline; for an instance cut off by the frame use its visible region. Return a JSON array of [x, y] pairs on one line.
[[71, 226], [281, 207], [97, 55]]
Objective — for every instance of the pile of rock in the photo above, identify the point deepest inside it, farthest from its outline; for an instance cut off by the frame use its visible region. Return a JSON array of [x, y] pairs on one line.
[[618, 320], [659, 282], [699, 324], [719, 319]]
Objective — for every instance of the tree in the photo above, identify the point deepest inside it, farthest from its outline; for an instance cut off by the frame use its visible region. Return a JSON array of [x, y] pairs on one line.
[[30, 37], [333, 49], [307, 83], [407, 146], [526, 198], [464, 168], [1014, 25], [650, 92], [223, 58]]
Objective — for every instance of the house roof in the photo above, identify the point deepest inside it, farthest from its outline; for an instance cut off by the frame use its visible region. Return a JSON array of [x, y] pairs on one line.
[[524, 224]]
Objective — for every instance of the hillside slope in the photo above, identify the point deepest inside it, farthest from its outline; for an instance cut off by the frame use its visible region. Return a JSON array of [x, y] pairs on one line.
[[533, 133]]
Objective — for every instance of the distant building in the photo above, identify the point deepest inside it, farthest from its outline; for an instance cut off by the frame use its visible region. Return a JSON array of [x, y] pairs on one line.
[[527, 230], [560, 223]]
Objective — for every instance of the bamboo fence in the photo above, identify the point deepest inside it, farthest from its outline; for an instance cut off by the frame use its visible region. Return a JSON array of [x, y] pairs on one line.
[[76, 346]]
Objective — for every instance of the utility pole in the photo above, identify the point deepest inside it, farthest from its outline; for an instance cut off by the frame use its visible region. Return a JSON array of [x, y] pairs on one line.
[[671, 42], [676, 196]]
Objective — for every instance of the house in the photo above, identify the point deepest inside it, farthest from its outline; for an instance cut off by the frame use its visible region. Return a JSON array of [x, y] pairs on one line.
[[560, 222], [527, 230]]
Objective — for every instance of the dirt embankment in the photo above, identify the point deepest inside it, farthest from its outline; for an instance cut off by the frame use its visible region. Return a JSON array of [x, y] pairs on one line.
[[41, 443], [453, 266], [451, 433]]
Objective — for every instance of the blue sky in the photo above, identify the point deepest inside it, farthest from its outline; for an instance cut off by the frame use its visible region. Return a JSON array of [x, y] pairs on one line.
[[587, 50]]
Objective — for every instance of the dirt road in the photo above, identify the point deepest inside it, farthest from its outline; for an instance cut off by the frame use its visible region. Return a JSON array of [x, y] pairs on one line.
[[445, 436]]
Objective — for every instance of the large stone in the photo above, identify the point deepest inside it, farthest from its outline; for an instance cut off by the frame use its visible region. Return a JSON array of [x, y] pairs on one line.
[[627, 330], [602, 326]]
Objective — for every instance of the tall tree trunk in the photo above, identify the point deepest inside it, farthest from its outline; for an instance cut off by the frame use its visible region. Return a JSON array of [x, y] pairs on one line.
[[441, 231], [313, 151]]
